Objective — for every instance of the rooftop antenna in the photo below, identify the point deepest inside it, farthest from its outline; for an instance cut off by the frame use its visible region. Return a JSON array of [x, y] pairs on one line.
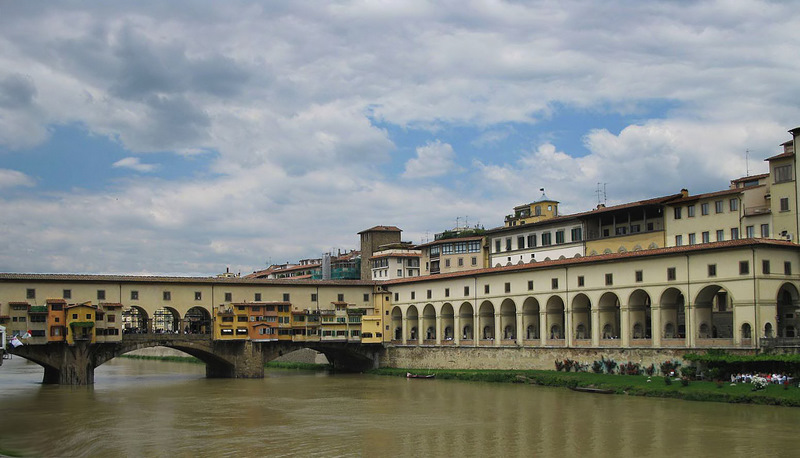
[[601, 194], [457, 219], [466, 222], [747, 162]]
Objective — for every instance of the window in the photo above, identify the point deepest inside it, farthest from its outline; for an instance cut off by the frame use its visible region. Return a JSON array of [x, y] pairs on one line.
[[678, 240], [750, 232], [622, 230], [497, 246], [718, 206], [485, 289], [765, 230], [257, 297], [400, 271], [671, 274], [447, 248], [314, 297], [546, 239], [466, 291], [475, 246], [704, 209], [339, 297], [67, 294], [692, 239], [720, 235], [609, 279], [787, 268], [447, 292], [690, 211], [30, 293], [744, 267], [429, 294], [560, 236], [581, 280], [530, 285], [461, 247], [366, 297], [413, 295], [508, 287], [460, 262], [712, 270], [639, 275], [733, 204], [783, 173], [396, 297], [554, 283], [228, 297], [285, 297], [577, 234], [706, 236], [677, 212], [531, 240], [765, 266], [101, 294], [508, 244], [447, 263], [167, 295], [734, 233], [198, 296], [474, 260], [784, 204], [520, 243]]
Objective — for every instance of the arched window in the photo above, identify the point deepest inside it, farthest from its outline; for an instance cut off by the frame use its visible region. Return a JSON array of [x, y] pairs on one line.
[[768, 330], [746, 331], [638, 331], [669, 331]]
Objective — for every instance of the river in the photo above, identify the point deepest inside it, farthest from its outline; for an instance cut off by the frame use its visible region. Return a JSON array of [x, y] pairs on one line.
[[150, 408]]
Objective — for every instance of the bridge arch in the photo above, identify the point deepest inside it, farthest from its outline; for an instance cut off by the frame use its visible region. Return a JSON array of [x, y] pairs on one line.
[[530, 318], [466, 315], [135, 320], [166, 320], [197, 321]]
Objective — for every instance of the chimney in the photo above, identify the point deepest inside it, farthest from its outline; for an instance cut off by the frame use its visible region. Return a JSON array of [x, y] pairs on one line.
[[684, 192]]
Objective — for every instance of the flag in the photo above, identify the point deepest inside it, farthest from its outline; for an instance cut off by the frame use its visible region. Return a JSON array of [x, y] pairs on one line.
[[15, 342], [26, 335]]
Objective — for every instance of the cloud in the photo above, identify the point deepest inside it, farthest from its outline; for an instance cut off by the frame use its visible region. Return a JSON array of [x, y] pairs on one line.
[[134, 163], [433, 159], [13, 178]]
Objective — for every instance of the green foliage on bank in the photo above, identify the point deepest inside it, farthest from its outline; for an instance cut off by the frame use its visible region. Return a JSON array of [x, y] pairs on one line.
[[727, 363], [173, 359], [296, 365], [622, 384]]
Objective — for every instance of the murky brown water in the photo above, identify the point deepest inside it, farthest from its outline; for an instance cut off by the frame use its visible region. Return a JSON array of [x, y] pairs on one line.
[[146, 408]]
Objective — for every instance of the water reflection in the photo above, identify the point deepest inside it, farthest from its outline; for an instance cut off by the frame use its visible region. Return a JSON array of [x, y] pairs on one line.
[[145, 408]]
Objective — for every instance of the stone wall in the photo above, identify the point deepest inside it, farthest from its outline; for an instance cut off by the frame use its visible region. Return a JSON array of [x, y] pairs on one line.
[[519, 358]]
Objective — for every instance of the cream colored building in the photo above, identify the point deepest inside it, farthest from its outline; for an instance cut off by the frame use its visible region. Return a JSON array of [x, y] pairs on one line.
[[447, 255]]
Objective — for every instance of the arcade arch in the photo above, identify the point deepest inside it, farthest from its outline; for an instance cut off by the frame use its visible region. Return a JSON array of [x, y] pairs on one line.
[[673, 314], [582, 317], [466, 316], [412, 318], [639, 306], [714, 313], [429, 322], [555, 317], [530, 318], [508, 319], [787, 311], [609, 316], [486, 320], [448, 322]]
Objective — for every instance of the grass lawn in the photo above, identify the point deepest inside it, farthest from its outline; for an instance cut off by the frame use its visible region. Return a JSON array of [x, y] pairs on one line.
[[635, 385]]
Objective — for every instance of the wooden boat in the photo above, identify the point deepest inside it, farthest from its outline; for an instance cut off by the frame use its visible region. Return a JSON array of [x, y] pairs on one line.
[[410, 375], [586, 389]]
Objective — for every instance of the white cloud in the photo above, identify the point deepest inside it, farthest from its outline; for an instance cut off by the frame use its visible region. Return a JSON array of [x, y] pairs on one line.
[[14, 178], [433, 159], [134, 163]]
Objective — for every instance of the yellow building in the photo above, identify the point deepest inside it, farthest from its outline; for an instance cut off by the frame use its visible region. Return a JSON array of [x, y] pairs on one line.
[[81, 323]]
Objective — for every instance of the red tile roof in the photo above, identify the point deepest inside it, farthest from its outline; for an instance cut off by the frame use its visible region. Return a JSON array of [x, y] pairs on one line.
[[382, 229], [750, 178], [601, 258], [707, 195], [780, 156]]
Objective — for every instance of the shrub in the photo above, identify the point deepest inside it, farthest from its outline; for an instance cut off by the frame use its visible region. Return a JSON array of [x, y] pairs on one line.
[[597, 367], [667, 380], [685, 381], [630, 368], [689, 372], [669, 366], [650, 370]]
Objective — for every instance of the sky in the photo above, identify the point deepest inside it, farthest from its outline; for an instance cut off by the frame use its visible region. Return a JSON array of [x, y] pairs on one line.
[[184, 138]]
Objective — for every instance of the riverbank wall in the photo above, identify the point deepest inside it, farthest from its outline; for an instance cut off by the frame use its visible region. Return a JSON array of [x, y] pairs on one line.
[[506, 358]]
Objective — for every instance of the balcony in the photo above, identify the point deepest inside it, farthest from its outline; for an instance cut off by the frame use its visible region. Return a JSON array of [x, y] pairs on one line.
[[757, 210]]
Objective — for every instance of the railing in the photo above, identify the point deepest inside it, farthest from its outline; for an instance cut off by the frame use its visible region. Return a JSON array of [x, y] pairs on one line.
[[772, 342]]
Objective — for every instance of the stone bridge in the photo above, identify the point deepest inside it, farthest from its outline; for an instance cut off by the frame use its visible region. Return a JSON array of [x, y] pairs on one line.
[[75, 364]]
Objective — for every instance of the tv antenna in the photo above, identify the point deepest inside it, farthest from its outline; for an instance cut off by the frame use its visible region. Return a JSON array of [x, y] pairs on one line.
[[747, 162], [601, 194]]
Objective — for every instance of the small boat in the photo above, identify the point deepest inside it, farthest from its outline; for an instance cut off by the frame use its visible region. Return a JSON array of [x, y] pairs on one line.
[[410, 375], [586, 389]]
